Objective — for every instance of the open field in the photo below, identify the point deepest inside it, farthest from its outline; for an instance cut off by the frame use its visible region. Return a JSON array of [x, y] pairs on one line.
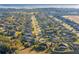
[[73, 18]]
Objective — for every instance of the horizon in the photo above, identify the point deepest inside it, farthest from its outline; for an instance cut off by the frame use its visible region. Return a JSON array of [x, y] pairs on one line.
[[29, 6]]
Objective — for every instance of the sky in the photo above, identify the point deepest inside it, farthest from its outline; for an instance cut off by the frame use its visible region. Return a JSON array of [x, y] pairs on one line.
[[38, 6]]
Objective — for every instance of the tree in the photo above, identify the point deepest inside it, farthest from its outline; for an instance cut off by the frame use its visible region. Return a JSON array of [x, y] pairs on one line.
[[5, 48]]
